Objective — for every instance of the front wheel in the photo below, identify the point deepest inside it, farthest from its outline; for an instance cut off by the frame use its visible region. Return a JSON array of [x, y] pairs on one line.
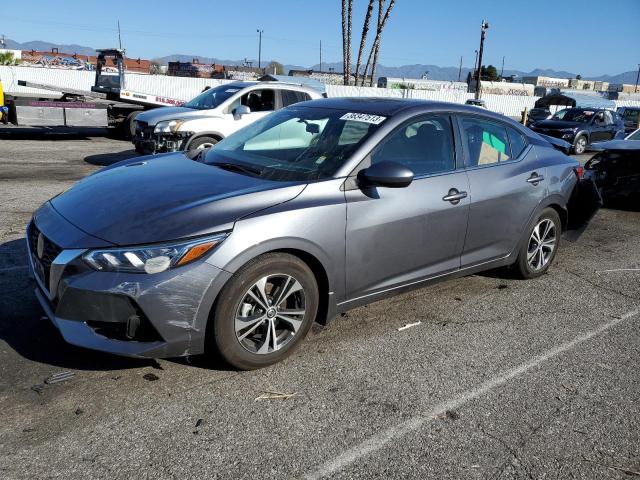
[[539, 249], [265, 311], [202, 143], [580, 145]]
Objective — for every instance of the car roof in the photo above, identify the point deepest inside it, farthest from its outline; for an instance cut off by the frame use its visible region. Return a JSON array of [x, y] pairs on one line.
[[393, 106]]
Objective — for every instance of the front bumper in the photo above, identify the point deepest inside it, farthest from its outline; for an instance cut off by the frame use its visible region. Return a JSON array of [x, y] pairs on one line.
[[140, 315], [146, 142]]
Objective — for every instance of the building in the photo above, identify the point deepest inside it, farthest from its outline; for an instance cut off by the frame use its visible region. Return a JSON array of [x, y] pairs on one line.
[[547, 82], [194, 69], [72, 61], [507, 88]]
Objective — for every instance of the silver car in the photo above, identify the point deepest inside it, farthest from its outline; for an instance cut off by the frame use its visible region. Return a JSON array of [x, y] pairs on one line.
[[313, 210]]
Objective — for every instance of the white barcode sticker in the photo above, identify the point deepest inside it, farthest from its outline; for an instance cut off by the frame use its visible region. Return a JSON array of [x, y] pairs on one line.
[[364, 117]]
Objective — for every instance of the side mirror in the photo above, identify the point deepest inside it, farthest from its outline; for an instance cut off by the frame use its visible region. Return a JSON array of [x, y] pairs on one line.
[[313, 128], [239, 111], [386, 174]]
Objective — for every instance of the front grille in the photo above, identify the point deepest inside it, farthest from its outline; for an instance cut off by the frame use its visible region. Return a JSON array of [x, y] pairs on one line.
[[42, 265]]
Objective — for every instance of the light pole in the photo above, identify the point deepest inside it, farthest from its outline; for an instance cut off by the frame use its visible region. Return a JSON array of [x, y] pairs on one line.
[[502, 69], [483, 32], [260, 32], [637, 78]]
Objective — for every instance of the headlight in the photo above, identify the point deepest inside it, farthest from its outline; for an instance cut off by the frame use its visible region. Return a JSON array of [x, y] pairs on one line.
[[168, 126], [152, 258], [568, 130]]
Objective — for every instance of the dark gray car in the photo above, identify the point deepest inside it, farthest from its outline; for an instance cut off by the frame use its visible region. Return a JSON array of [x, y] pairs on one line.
[[311, 211]]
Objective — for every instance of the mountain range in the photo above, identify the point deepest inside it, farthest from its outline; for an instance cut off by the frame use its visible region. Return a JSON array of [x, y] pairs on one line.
[[435, 72]]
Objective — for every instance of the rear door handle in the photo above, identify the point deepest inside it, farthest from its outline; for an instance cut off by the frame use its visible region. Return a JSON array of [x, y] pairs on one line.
[[535, 179], [454, 196]]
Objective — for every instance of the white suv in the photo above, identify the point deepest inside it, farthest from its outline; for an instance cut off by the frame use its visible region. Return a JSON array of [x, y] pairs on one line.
[[213, 115]]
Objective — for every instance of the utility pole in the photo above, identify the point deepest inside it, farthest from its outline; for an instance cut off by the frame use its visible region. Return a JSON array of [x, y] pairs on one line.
[[460, 69], [483, 32], [637, 78], [260, 32], [119, 39], [502, 69], [320, 56]]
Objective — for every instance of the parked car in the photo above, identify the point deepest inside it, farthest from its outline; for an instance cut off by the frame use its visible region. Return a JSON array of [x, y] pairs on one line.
[[581, 126], [631, 118], [476, 103], [537, 114], [213, 115], [615, 169], [313, 210]]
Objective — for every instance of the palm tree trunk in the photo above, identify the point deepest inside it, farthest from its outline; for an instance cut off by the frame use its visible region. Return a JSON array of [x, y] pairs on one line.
[[349, 23], [363, 39], [344, 41], [375, 48]]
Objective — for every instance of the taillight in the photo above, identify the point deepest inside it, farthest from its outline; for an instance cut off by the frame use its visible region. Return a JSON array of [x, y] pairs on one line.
[[579, 172]]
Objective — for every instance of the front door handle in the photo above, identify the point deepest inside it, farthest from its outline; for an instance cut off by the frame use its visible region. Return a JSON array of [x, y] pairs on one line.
[[534, 179], [454, 196]]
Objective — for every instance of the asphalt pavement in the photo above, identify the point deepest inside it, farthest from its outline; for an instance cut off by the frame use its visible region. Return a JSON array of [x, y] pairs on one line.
[[502, 378]]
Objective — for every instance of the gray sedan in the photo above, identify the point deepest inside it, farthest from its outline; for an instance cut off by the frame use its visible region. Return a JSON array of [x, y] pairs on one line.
[[311, 211]]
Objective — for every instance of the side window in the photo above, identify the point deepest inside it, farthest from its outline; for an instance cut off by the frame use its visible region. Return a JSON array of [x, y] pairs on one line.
[[289, 97], [487, 142], [517, 141], [608, 119], [425, 146], [259, 100]]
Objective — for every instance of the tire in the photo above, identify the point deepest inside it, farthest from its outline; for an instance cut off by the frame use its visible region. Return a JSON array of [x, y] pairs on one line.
[[580, 145], [129, 125], [202, 142], [535, 259], [242, 325]]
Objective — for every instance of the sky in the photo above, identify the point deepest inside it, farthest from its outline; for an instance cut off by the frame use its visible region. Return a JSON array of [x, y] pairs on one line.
[[587, 37]]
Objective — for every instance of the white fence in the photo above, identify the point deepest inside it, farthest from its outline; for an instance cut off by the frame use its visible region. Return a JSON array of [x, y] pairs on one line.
[[185, 88]]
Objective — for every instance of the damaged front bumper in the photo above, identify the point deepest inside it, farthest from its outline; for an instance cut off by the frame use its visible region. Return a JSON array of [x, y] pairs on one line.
[[132, 314], [147, 143]]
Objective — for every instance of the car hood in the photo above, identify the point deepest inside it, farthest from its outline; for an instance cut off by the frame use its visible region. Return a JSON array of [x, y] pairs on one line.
[[156, 115], [616, 145], [558, 124], [166, 197]]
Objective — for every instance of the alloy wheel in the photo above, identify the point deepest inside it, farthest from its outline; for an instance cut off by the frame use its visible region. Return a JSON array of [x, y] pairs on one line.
[[270, 313], [581, 145], [542, 243]]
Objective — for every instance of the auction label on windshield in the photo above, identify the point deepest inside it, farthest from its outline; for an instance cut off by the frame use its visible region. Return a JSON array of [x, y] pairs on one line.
[[363, 117]]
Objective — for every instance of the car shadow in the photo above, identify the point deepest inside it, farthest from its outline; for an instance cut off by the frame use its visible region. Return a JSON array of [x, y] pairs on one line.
[[53, 133], [25, 329], [106, 159]]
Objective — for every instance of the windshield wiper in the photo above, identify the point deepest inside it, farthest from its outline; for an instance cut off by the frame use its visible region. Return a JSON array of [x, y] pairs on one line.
[[235, 167]]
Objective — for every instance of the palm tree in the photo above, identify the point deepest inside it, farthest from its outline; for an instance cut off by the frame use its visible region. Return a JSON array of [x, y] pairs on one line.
[[363, 39], [375, 48]]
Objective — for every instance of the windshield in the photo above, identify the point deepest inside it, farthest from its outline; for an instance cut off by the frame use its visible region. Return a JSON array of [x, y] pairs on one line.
[[574, 115], [212, 97], [295, 144]]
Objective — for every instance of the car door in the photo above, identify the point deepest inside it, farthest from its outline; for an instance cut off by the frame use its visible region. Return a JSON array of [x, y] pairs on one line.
[[289, 97], [396, 236], [261, 103], [599, 128], [506, 186]]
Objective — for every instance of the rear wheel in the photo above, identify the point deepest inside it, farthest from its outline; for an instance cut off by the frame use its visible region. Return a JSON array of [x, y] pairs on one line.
[[265, 311], [580, 145], [538, 251]]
